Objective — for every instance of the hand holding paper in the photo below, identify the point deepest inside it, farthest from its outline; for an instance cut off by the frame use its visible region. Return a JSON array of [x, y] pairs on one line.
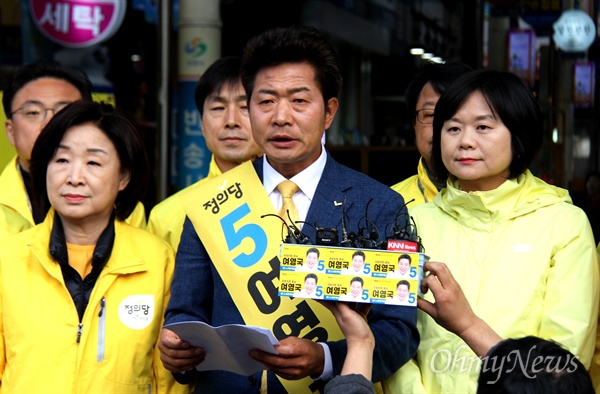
[[227, 346], [296, 358], [176, 354]]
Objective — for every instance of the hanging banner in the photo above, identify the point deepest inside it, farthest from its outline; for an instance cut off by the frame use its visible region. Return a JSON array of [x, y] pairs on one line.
[[584, 81], [77, 23], [521, 54]]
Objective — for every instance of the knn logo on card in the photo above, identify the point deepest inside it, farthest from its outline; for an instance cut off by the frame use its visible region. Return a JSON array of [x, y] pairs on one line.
[[402, 246]]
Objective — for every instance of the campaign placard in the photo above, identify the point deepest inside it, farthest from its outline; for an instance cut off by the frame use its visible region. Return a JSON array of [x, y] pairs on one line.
[[349, 274]]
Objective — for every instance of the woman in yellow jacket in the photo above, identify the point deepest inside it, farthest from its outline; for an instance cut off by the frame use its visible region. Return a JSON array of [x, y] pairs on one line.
[[82, 294], [523, 254]]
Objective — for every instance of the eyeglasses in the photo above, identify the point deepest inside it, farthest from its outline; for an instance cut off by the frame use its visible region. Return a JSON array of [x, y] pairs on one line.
[[425, 115], [36, 112]]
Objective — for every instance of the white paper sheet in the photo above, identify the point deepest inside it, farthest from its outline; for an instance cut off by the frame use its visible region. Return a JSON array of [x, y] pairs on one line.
[[227, 346]]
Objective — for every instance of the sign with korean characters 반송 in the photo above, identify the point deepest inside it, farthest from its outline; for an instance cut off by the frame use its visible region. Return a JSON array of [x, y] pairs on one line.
[[78, 23]]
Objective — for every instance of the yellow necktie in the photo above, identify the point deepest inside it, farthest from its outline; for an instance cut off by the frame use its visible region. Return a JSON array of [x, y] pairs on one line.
[[287, 189]]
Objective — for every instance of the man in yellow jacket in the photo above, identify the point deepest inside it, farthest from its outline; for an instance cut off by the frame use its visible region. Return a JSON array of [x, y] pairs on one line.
[[222, 102], [421, 95], [36, 92]]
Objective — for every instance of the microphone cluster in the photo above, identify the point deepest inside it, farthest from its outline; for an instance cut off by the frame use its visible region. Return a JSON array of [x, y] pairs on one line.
[[368, 236]]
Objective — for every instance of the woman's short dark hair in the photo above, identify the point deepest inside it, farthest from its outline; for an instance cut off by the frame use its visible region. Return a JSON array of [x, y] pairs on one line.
[[510, 99], [119, 129], [295, 44]]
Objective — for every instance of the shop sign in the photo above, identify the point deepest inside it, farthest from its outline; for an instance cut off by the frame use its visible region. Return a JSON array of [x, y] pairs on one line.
[[574, 31], [78, 23]]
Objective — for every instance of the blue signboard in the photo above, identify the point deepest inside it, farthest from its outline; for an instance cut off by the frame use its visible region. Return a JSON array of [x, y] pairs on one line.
[[193, 157]]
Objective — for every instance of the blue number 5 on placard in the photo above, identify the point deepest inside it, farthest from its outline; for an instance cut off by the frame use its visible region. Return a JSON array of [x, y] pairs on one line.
[[234, 238]]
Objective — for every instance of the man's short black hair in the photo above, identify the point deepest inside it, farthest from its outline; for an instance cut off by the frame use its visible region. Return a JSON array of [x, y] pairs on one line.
[[439, 75], [223, 72], [45, 69], [295, 44]]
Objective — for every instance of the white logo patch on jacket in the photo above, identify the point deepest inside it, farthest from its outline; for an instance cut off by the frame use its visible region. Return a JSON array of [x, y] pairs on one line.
[[137, 311]]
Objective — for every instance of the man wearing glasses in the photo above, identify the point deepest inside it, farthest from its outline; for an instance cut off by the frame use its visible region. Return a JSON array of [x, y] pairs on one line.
[[422, 94], [35, 94]]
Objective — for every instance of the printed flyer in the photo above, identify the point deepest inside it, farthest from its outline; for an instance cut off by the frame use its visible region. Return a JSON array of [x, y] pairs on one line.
[[348, 274]]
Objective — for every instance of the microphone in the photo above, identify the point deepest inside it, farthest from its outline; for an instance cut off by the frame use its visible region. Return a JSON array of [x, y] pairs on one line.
[[346, 243], [400, 233], [374, 236], [414, 235], [298, 234], [290, 239], [370, 241]]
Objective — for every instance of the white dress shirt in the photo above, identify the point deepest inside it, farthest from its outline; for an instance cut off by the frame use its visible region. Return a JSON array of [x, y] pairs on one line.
[[305, 181]]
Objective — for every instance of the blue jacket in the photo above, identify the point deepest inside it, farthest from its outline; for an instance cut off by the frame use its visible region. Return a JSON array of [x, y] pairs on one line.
[[198, 292]]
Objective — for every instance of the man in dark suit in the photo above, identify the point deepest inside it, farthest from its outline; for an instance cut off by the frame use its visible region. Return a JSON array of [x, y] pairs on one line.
[[292, 78]]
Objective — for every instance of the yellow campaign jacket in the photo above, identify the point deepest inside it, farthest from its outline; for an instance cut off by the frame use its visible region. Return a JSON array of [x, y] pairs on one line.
[[526, 260], [11, 222], [117, 348], [418, 187], [595, 368], [14, 196], [167, 217]]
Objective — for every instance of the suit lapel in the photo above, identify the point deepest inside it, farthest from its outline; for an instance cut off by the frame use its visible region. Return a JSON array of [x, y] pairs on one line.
[[258, 166], [328, 206]]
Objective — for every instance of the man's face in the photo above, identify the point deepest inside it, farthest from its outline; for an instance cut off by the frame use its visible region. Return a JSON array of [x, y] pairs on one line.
[[50, 93], [424, 132], [311, 259], [309, 285], [402, 292], [288, 116], [226, 127], [403, 266], [357, 263], [355, 289]]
